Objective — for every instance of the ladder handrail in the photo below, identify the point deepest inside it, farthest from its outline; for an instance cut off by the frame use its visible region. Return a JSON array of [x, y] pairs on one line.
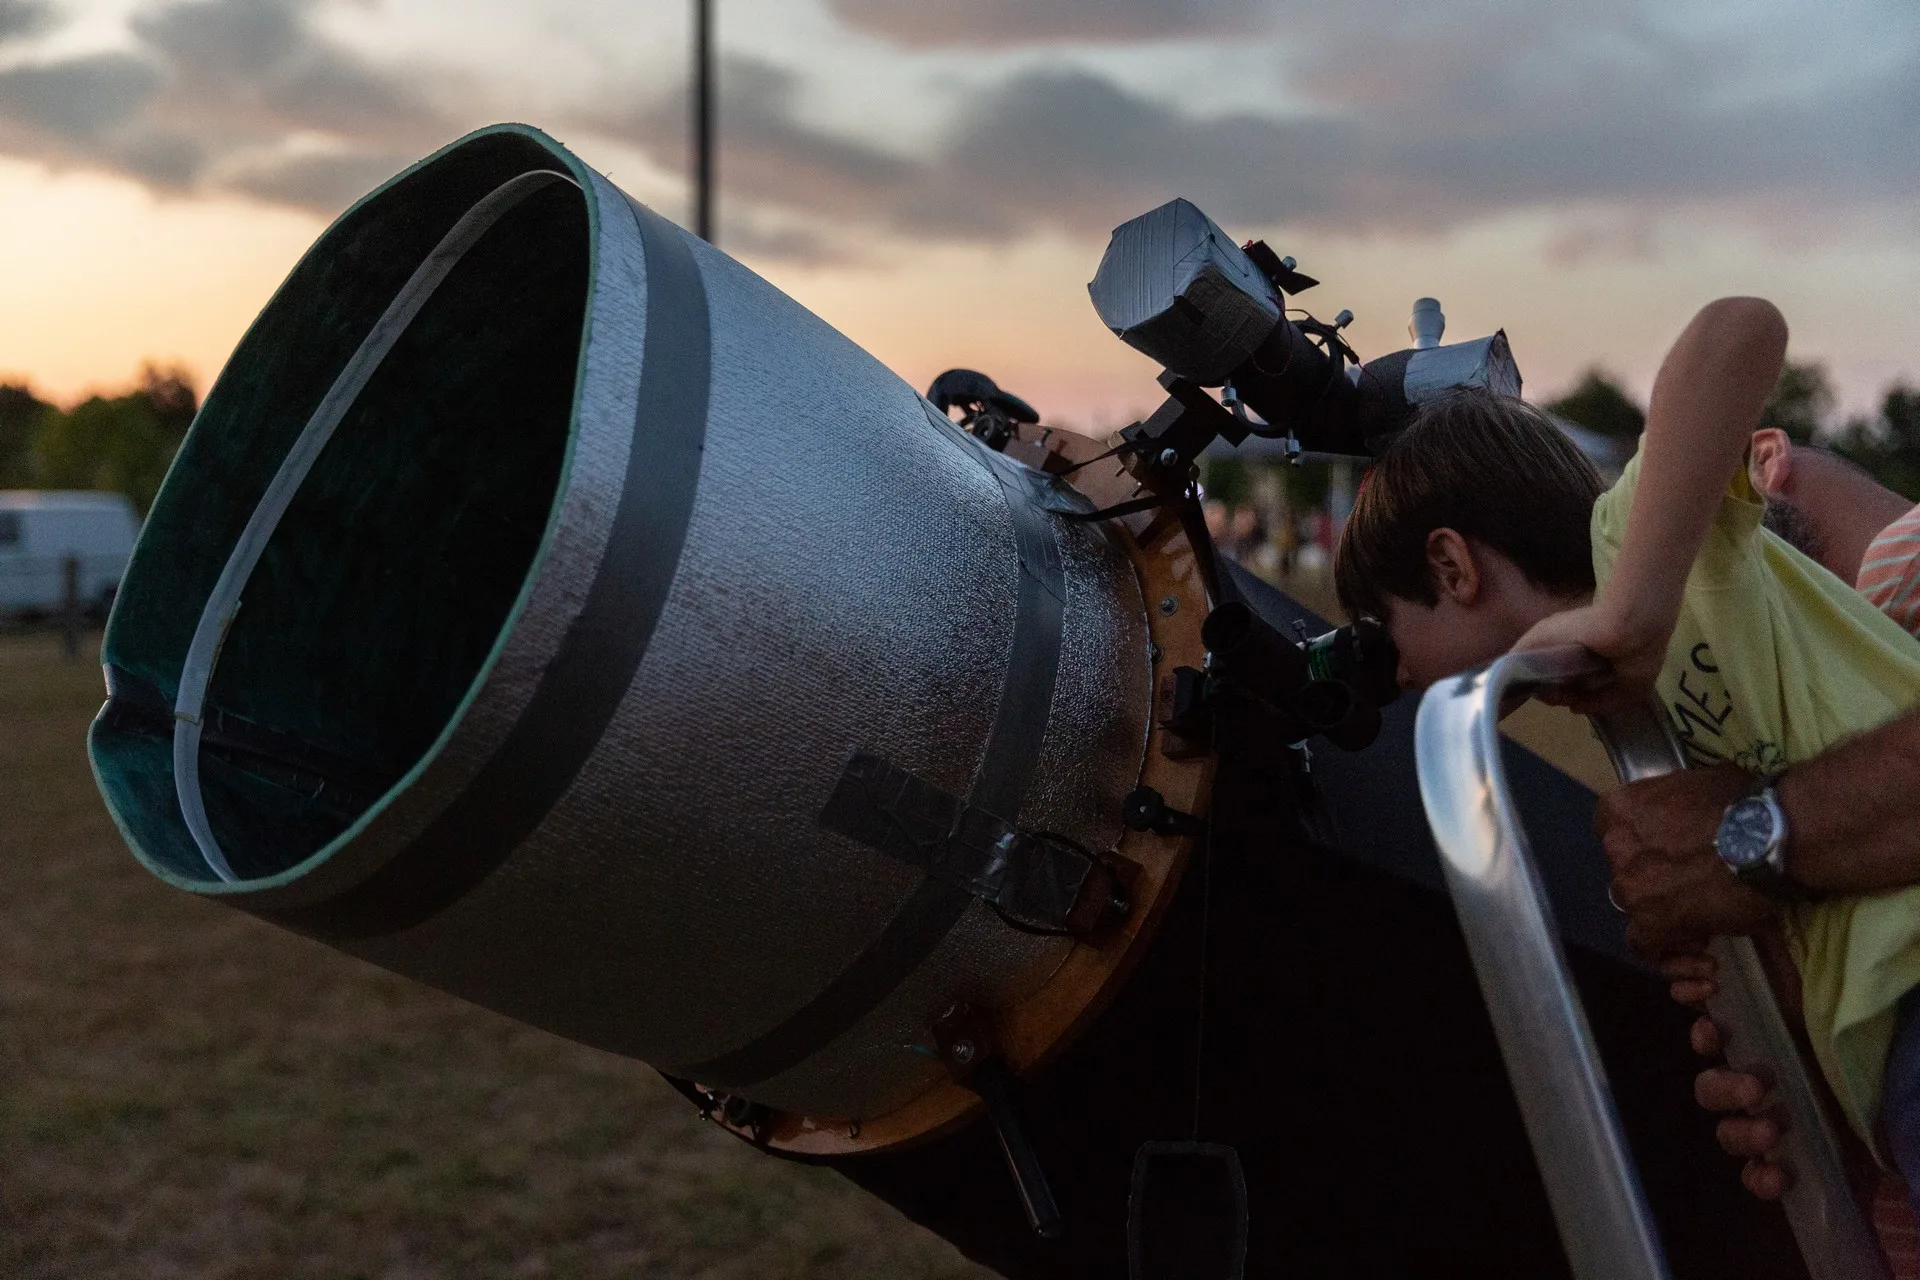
[[1556, 1072]]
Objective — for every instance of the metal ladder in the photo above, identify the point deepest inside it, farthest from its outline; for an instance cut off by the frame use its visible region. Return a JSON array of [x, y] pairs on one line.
[[1556, 1072]]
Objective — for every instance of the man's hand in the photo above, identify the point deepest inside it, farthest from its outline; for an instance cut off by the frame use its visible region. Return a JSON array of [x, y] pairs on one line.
[[1633, 653], [1658, 835], [1742, 1132]]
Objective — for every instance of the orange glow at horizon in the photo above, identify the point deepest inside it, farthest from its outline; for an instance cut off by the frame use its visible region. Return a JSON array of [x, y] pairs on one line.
[[98, 275]]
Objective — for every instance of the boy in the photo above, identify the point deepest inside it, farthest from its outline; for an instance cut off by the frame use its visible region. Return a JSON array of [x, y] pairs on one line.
[[1466, 541]]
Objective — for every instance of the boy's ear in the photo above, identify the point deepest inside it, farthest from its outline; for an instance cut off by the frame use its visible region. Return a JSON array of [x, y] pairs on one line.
[[1770, 462], [1450, 561]]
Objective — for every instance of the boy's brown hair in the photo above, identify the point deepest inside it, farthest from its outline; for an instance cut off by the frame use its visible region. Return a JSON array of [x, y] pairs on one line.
[[1491, 468]]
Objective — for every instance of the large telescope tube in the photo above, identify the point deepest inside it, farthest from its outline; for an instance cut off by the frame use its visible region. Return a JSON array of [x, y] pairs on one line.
[[589, 630]]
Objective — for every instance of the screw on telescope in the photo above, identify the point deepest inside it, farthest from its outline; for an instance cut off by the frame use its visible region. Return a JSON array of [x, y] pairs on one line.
[[1145, 809], [1169, 606], [1342, 320]]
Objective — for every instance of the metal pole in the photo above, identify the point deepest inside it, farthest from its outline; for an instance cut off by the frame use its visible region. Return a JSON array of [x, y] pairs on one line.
[[70, 605], [1592, 1182], [703, 119]]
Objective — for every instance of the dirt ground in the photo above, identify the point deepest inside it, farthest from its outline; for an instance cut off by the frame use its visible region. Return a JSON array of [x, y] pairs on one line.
[[186, 1092]]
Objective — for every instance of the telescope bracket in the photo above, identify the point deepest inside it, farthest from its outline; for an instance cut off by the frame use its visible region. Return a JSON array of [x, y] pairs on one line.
[[1165, 445], [1145, 809], [1034, 881], [1281, 272]]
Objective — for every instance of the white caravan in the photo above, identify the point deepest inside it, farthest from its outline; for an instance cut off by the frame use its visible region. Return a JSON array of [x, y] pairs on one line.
[[40, 530]]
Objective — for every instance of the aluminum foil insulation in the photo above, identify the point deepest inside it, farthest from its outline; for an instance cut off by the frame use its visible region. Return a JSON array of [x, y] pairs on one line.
[[611, 567]]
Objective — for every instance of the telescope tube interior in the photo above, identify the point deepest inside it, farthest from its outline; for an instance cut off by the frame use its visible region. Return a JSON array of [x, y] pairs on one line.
[[394, 572]]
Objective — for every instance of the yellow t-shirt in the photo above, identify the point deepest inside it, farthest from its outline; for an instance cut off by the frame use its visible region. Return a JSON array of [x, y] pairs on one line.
[[1774, 660]]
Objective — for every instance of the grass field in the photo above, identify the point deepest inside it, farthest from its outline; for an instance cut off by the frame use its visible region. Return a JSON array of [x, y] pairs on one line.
[[186, 1092]]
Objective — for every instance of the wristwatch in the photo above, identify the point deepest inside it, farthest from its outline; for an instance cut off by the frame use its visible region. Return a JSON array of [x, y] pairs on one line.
[[1752, 841]]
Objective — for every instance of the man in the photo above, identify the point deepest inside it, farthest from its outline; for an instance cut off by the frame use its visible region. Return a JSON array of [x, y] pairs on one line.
[[1834, 512], [1821, 503], [1890, 572], [1852, 815]]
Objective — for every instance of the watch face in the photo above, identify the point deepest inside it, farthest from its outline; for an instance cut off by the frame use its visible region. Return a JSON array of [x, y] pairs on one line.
[[1745, 833]]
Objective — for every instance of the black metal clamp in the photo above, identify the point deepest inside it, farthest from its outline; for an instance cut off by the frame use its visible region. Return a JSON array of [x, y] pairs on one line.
[[970, 1055]]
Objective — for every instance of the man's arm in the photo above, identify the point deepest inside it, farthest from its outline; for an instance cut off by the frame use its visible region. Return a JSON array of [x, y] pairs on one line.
[[1853, 826], [1853, 812], [1706, 403]]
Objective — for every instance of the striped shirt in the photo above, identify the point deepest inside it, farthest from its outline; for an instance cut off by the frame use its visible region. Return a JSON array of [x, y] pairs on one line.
[[1890, 571], [1890, 578]]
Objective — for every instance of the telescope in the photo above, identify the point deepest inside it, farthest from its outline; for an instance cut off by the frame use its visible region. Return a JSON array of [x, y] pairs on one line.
[[1176, 288], [547, 608]]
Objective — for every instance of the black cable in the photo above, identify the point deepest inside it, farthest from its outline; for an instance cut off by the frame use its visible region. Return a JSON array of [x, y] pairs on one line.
[[1120, 448], [1128, 508], [1193, 522]]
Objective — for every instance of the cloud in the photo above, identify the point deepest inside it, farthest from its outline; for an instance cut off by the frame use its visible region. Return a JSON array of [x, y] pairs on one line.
[[234, 95], [1401, 121], [261, 59], [1074, 151], [324, 182], [1437, 136], [768, 152], [1000, 23], [1425, 118], [1065, 150], [1618, 239], [77, 99], [21, 18]]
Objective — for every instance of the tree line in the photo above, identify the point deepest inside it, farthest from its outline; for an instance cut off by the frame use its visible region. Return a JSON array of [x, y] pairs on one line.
[[120, 443], [1886, 443], [123, 443]]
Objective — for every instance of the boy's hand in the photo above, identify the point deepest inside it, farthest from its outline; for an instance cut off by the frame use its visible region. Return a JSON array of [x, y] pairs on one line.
[[1634, 654]]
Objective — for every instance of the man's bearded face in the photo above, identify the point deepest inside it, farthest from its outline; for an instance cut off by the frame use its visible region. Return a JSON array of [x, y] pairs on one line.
[[1790, 523]]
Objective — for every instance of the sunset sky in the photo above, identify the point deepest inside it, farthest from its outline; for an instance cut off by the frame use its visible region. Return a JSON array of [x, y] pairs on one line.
[[937, 177]]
